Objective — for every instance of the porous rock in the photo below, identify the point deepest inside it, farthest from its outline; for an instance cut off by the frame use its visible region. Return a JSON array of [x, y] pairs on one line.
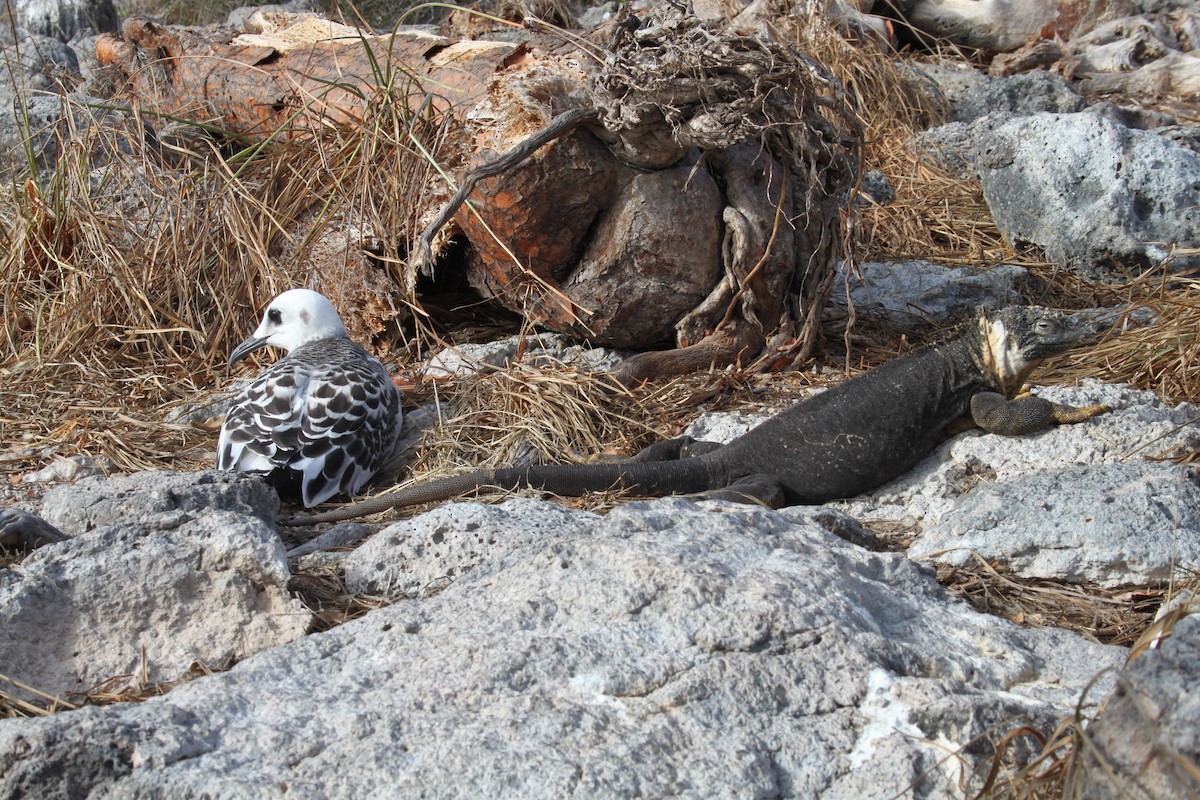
[[1072, 502], [723, 426], [1097, 197], [912, 294], [467, 358], [1111, 524], [1148, 734], [63, 19], [667, 648], [157, 500], [972, 94], [161, 574]]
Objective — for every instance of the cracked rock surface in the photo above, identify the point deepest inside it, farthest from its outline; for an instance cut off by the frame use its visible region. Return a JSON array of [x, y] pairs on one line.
[[665, 648]]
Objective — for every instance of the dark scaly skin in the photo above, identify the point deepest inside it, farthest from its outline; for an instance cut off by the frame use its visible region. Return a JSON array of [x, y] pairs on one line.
[[844, 441]]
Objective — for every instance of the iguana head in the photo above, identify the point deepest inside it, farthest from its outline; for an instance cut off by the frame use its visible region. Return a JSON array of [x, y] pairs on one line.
[[1015, 339]]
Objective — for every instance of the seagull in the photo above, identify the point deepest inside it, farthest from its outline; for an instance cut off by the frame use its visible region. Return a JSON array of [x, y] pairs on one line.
[[320, 421]]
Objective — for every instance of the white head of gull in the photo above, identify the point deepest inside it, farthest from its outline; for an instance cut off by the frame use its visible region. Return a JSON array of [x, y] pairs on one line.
[[322, 420]]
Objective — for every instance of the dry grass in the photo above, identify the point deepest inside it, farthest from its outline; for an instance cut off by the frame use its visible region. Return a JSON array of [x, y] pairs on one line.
[[123, 292], [1164, 357], [1069, 752], [936, 215], [1109, 616], [117, 689], [323, 592]]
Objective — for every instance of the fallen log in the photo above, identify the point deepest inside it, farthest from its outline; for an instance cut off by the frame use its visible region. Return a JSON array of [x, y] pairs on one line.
[[694, 198]]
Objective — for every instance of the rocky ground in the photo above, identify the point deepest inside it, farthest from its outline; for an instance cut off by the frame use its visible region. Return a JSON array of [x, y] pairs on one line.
[[671, 647]]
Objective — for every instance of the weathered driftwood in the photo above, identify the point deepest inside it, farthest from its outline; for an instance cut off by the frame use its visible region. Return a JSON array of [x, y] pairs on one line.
[[692, 196], [1147, 57]]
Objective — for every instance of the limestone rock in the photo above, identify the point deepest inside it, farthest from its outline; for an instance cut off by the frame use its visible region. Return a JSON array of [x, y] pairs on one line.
[[912, 294], [1111, 524], [696, 650], [1096, 196], [464, 359], [424, 554], [722, 426], [972, 94], [155, 579], [63, 19], [158, 500], [1149, 728]]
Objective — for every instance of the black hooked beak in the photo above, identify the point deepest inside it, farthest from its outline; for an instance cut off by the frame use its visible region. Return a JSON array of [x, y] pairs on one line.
[[246, 348]]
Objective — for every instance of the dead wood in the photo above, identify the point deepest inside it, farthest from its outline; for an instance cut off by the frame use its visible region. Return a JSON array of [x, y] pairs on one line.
[[662, 182]]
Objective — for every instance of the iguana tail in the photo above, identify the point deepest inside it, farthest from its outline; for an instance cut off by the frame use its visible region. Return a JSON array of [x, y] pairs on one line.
[[568, 480]]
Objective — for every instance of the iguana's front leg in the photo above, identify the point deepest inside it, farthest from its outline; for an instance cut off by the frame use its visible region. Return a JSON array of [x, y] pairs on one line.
[[1025, 413]]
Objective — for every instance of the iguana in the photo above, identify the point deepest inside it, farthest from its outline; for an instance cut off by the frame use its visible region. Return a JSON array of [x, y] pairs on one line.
[[841, 442]]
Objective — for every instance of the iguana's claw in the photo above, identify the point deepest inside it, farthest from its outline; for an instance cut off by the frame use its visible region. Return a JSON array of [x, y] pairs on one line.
[[1066, 415]]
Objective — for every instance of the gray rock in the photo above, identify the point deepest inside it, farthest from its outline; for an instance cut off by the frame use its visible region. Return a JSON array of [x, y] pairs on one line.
[[972, 94], [63, 19], [950, 499], [1149, 729], [35, 64], [875, 189], [186, 574], [1112, 524], [670, 648], [1183, 135], [157, 500], [1143, 119], [464, 359], [70, 468], [1097, 197], [424, 554], [723, 426], [911, 294], [34, 127]]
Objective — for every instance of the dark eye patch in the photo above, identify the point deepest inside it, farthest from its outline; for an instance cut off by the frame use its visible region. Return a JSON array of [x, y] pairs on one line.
[[274, 315]]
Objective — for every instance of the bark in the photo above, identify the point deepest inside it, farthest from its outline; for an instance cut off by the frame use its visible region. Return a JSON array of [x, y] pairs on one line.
[[696, 204]]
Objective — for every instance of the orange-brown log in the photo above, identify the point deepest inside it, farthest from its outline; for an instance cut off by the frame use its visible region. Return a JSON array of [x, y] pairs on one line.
[[641, 228], [251, 87]]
